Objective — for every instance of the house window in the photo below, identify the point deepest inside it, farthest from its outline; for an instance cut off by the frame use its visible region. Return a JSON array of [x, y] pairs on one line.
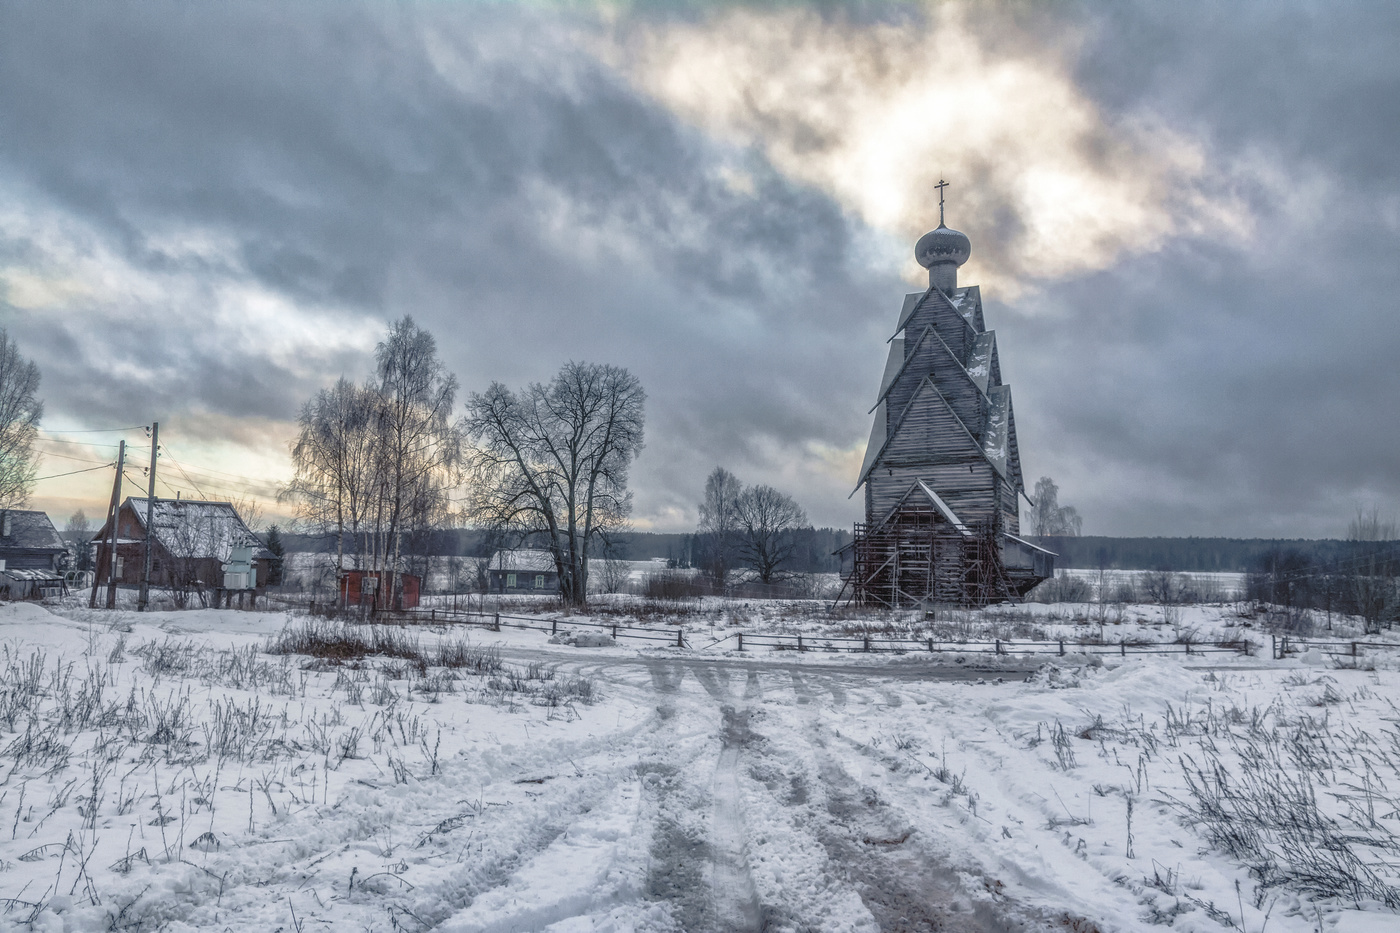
[[510, 581], [539, 581]]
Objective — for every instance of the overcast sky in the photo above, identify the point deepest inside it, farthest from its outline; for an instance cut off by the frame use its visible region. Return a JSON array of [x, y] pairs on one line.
[[1185, 219]]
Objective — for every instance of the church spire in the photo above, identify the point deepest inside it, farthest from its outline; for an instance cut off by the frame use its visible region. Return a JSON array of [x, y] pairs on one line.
[[941, 251]]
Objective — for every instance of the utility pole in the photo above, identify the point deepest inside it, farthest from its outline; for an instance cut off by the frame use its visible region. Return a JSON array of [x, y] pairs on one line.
[[150, 519], [112, 514]]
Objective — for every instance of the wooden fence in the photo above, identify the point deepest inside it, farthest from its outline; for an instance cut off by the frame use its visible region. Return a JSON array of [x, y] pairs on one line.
[[1281, 646]]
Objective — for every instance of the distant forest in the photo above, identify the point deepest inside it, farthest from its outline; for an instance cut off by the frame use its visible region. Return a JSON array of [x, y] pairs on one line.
[[1238, 555], [816, 547]]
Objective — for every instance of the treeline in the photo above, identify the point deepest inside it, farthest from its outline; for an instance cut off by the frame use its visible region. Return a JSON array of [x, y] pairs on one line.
[[813, 547], [1228, 555]]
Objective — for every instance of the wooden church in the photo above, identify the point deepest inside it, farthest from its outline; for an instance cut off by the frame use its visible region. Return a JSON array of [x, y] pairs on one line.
[[942, 473]]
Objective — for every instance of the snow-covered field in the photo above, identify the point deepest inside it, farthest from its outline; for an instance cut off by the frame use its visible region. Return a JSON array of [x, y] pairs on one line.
[[163, 771]]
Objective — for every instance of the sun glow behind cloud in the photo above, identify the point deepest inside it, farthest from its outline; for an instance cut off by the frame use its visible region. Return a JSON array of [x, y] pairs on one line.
[[875, 113]]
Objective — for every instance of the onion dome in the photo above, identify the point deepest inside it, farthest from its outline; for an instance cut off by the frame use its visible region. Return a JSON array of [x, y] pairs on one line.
[[941, 251]]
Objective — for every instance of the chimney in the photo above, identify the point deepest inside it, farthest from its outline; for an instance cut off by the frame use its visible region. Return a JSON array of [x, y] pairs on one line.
[[5, 525]]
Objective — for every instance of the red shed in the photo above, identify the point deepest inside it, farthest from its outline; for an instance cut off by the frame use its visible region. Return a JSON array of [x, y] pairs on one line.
[[366, 588]]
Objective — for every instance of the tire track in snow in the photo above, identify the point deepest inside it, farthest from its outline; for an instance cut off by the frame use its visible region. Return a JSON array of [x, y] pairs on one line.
[[904, 881], [732, 882]]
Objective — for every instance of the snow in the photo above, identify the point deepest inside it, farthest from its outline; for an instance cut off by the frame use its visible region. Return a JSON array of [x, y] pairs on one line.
[[697, 790]]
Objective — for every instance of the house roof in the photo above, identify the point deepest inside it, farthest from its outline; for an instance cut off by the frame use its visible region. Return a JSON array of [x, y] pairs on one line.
[[196, 529], [524, 560], [30, 530], [33, 576]]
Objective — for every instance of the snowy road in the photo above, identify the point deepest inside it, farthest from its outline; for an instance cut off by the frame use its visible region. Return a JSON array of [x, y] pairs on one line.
[[747, 816], [170, 773]]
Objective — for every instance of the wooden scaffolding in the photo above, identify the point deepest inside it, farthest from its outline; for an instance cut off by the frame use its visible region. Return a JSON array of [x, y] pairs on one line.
[[916, 559]]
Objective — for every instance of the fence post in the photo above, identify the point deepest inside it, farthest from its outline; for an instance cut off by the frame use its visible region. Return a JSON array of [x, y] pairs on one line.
[[1122, 648], [554, 626], [1062, 647], [930, 645], [1353, 649], [496, 623], [998, 649], [867, 643], [680, 639], [432, 615], [614, 633], [741, 641], [1273, 647], [1188, 647]]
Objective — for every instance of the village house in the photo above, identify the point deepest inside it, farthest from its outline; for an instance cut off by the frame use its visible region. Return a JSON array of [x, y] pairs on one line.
[[32, 555], [193, 540], [525, 570]]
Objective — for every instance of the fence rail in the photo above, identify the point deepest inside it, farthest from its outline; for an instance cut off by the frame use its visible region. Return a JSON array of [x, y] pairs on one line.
[[743, 641], [1285, 645], [1281, 646]]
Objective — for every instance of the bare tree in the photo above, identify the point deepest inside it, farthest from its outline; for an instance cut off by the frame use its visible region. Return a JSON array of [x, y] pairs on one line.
[[552, 460], [616, 569], [719, 524], [20, 411], [187, 537], [1374, 565], [420, 447], [78, 532], [1048, 517], [766, 520], [335, 459]]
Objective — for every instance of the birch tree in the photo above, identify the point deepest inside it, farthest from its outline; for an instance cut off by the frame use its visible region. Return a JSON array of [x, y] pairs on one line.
[[1048, 517], [20, 411], [334, 455], [552, 461], [420, 446]]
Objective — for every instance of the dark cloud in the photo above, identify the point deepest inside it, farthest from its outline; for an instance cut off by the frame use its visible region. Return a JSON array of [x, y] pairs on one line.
[[1236, 385], [479, 168]]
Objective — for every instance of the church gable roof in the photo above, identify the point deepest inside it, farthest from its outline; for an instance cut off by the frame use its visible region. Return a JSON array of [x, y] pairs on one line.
[[996, 441], [980, 361], [875, 444], [933, 308], [894, 365], [927, 423], [911, 301], [968, 301], [924, 490], [931, 356], [1013, 451]]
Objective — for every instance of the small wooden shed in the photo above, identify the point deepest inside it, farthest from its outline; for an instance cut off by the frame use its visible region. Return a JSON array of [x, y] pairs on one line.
[[368, 588]]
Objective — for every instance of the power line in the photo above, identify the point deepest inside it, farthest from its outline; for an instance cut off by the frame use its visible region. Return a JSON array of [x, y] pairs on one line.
[[134, 427], [184, 474], [50, 453], [104, 466], [54, 440]]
